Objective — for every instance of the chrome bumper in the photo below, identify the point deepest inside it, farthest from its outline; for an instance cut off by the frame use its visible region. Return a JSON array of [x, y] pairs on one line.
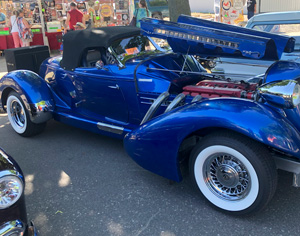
[[17, 227], [290, 166]]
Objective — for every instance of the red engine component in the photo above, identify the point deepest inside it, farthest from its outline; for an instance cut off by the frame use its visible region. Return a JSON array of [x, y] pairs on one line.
[[217, 88]]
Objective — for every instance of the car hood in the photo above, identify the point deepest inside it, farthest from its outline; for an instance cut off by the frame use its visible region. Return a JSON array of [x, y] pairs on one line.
[[201, 37]]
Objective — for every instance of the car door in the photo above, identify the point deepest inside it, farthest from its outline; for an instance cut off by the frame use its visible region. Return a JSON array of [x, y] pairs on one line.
[[100, 95]]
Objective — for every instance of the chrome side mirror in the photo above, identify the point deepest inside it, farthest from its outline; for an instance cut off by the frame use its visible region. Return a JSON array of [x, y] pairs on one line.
[[283, 94], [100, 65]]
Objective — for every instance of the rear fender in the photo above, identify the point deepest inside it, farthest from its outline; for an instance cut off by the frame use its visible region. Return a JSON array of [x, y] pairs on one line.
[[155, 144], [33, 90]]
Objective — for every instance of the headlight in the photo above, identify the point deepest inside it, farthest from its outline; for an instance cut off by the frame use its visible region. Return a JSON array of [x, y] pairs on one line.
[[284, 94], [11, 189], [12, 228]]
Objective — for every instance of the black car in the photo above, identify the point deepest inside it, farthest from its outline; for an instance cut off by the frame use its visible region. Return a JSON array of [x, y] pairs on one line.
[[13, 217]]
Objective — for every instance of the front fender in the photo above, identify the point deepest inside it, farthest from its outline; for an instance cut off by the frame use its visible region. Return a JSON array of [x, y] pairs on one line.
[[33, 90], [155, 144]]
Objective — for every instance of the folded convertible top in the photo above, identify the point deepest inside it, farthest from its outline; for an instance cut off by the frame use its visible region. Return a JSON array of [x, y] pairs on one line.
[[196, 36]]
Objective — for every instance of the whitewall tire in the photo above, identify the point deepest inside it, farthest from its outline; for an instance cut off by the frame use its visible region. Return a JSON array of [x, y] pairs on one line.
[[19, 117], [233, 173], [16, 114]]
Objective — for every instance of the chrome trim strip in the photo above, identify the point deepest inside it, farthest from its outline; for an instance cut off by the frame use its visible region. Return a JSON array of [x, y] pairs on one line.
[[197, 98], [110, 128], [155, 105], [145, 80], [147, 103], [197, 38], [165, 104], [151, 99], [114, 87], [175, 102]]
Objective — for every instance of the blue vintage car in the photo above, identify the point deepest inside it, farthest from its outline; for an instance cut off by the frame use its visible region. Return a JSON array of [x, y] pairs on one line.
[[117, 82], [13, 217]]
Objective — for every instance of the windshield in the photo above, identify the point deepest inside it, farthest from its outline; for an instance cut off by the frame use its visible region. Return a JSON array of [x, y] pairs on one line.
[[133, 47], [291, 30], [283, 29]]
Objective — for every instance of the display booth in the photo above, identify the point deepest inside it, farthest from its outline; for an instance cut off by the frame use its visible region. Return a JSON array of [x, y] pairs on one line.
[[40, 15], [229, 11], [109, 12], [48, 17]]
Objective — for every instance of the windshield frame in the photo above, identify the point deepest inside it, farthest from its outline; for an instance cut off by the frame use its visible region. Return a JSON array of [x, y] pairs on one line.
[[121, 64]]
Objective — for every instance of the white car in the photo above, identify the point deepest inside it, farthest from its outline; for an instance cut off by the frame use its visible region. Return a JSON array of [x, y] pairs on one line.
[[283, 23]]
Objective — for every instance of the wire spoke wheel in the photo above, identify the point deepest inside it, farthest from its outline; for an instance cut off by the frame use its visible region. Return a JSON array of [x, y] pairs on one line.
[[227, 177], [18, 113], [19, 117], [235, 174]]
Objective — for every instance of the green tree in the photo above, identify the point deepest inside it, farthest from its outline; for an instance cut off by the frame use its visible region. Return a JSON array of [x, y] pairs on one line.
[[178, 7]]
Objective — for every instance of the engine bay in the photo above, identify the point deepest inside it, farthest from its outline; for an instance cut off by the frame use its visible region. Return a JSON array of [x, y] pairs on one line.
[[219, 88]]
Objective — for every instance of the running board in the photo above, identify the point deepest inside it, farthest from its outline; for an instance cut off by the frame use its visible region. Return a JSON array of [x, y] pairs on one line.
[[290, 166], [110, 128]]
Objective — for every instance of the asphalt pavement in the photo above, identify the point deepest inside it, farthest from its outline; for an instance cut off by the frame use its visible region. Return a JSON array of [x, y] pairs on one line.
[[80, 183]]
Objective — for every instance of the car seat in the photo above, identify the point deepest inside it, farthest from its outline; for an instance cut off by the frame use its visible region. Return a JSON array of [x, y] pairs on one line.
[[91, 57]]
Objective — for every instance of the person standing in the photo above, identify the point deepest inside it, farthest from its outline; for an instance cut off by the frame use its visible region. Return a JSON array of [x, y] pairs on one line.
[[25, 33], [251, 8], [73, 16], [2, 18], [15, 30], [141, 12]]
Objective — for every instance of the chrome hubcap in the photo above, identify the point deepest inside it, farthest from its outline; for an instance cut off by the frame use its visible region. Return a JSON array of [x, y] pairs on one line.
[[226, 176], [17, 113]]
